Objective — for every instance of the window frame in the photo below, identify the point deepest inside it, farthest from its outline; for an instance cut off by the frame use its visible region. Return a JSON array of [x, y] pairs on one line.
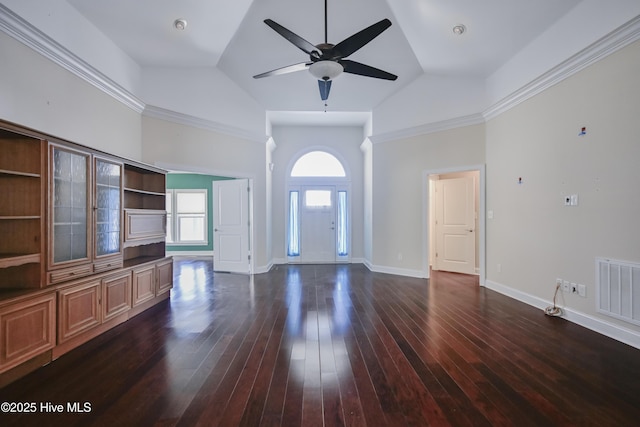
[[174, 216]]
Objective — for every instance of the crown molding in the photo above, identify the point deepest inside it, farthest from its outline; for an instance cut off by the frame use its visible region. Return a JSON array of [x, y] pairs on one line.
[[440, 126], [612, 42], [188, 120], [24, 32]]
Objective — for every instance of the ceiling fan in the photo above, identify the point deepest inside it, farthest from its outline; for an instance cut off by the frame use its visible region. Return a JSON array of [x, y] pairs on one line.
[[327, 61]]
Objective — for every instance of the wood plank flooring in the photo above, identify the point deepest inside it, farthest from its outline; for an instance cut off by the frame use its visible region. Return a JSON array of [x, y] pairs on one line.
[[313, 345]]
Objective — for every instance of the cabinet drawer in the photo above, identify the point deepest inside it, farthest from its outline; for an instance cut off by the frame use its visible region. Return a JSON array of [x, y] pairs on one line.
[[65, 274], [143, 224], [106, 265], [27, 329]]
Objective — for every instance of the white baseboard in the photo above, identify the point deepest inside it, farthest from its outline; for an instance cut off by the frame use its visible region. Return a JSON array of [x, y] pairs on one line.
[[190, 253], [601, 326]]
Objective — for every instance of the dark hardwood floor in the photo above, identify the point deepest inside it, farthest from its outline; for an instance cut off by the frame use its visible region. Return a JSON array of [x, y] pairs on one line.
[[312, 345]]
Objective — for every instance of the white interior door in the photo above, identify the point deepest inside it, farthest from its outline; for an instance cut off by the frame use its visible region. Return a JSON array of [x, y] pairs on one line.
[[317, 225], [231, 226], [455, 225]]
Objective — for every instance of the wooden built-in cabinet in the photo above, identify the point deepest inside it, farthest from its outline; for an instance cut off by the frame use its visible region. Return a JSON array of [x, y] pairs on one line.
[[82, 245]]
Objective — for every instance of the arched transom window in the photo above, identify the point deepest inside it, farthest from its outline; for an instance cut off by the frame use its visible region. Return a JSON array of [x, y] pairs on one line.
[[316, 164]]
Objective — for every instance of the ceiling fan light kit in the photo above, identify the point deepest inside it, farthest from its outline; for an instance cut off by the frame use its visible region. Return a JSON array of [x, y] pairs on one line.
[[326, 70], [327, 61]]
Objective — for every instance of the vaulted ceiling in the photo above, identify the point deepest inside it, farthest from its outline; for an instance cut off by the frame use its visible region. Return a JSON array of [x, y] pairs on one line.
[[231, 38]]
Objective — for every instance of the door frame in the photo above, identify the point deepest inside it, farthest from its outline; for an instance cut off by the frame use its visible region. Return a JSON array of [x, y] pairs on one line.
[[426, 216], [299, 185]]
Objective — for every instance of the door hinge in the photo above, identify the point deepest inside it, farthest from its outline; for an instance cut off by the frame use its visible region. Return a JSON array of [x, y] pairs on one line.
[[436, 254], [249, 257]]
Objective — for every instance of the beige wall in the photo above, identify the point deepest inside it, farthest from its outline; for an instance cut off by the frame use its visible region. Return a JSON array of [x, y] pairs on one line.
[[179, 147], [398, 168], [533, 236], [37, 93]]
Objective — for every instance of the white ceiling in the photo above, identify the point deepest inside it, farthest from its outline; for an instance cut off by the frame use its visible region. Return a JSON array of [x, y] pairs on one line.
[[206, 71], [231, 36]]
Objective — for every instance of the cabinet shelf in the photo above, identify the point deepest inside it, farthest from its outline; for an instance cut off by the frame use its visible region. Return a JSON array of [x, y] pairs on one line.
[[19, 217], [145, 192], [15, 260], [6, 172]]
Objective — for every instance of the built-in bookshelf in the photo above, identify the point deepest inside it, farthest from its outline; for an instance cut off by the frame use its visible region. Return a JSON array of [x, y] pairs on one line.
[[22, 187], [145, 214]]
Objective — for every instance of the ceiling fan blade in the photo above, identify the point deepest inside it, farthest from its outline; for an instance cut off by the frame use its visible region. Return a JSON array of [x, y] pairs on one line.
[[325, 87], [285, 70], [365, 70], [359, 39], [301, 43]]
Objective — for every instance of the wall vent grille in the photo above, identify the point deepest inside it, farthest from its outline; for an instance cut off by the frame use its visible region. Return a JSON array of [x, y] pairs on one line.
[[618, 289]]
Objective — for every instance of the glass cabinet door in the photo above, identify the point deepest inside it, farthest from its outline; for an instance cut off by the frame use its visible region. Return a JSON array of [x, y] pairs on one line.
[[108, 182], [70, 201]]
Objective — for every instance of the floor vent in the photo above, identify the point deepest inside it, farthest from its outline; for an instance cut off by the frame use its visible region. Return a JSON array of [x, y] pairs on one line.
[[618, 289]]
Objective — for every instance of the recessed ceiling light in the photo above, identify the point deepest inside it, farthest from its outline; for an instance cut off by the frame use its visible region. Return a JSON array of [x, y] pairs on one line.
[[459, 29], [180, 24]]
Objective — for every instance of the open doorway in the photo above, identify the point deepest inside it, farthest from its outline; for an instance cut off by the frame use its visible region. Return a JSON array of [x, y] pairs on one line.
[[454, 221]]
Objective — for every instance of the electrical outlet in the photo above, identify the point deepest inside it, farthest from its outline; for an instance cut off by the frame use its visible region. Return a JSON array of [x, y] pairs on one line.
[[559, 282], [566, 286], [582, 290], [574, 288]]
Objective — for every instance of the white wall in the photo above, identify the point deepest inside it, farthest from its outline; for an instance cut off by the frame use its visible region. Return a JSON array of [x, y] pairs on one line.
[[398, 168], [291, 141], [186, 148], [39, 94], [533, 236]]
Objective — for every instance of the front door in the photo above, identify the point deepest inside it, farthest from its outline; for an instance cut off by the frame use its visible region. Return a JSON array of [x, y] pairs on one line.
[[455, 225], [317, 225], [231, 226]]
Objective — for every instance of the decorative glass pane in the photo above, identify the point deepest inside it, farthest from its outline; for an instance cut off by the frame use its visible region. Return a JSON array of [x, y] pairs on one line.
[[70, 215], [342, 224], [293, 248], [108, 208]]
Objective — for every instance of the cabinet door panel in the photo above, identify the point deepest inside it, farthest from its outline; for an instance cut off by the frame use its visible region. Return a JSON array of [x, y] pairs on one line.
[[144, 285], [79, 309], [108, 207], [116, 295], [164, 270], [70, 214], [26, 330]]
